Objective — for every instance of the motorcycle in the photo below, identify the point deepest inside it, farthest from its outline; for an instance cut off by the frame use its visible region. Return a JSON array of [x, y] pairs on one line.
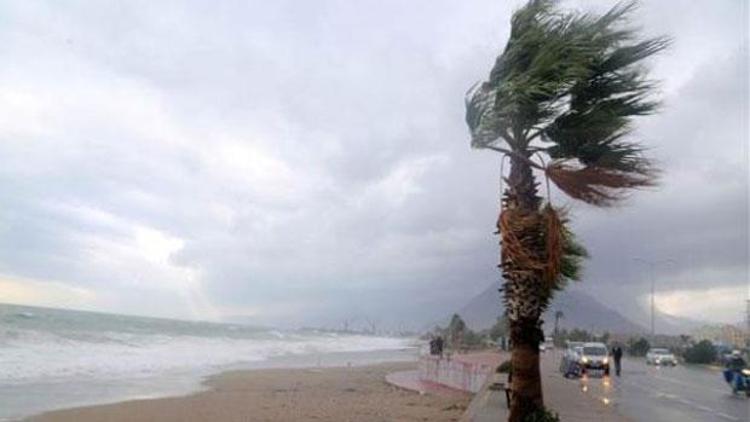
[[739, 380]]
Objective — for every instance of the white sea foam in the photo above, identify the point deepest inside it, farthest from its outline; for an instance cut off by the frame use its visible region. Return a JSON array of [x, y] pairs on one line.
[[51, 358], [31, 356]]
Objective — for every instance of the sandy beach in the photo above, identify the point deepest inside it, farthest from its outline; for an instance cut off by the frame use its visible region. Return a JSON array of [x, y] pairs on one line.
[[327, 394]]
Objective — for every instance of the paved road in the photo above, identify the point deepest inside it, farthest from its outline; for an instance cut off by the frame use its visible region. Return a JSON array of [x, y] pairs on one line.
[[655, 394]]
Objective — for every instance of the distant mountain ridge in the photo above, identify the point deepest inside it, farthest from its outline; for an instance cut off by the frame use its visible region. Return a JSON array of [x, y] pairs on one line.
[[675, 325], [580, 309]]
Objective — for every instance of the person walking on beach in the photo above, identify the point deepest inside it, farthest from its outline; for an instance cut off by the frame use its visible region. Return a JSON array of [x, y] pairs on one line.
[[617, 355]]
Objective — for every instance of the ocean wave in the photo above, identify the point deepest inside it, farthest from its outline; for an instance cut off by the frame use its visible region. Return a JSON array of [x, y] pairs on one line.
[[29, 356], [48, 345]]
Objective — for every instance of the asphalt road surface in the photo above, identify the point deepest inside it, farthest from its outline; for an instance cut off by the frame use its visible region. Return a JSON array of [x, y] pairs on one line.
[[654, 394]]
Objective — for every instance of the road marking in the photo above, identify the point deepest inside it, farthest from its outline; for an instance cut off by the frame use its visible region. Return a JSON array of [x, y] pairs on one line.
[[685, 384], [725, 416], [659, 394]]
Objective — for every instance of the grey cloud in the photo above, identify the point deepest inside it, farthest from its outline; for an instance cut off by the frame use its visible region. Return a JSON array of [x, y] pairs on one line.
[[313, 159]]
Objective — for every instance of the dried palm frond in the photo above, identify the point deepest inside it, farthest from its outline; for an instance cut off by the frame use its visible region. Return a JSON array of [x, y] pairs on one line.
[[535, 242], [539, 256], [540, 245], [518, 232], [600, 186]]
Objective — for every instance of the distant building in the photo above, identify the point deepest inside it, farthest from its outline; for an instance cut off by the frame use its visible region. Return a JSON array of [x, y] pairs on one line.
[[722, 334]]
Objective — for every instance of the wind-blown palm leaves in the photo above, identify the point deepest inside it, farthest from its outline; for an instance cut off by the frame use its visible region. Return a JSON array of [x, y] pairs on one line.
[[567, 86], [559, 100]]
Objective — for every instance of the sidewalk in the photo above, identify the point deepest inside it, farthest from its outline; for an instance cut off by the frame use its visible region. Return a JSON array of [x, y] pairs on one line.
[[488, 405], [409, 380]]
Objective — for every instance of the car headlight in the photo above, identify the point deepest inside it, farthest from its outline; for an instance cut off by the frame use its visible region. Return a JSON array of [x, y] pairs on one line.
[[746, 372], [606, 361]]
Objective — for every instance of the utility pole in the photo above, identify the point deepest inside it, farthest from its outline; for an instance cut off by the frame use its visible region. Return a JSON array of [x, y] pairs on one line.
[[653, 301], [652, 266]]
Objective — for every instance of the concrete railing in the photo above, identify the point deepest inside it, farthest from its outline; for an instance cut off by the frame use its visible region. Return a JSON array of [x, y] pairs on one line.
[[454, 373]]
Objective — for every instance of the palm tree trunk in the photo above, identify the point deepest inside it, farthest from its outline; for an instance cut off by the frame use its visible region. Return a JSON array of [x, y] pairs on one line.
[[527, 383], [525, 297]]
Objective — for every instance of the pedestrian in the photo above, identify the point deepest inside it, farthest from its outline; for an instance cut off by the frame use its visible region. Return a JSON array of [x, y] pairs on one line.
[[617, 355], [439, 343]]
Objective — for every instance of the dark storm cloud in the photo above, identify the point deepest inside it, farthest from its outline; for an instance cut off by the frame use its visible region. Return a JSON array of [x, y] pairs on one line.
[[309, 163]]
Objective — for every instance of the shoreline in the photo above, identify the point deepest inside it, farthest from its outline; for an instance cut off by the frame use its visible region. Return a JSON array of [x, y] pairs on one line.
[[334, 393], [54, 395]]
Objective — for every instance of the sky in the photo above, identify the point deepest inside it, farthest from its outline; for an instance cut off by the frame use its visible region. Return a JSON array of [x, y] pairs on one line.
[[307, 163]]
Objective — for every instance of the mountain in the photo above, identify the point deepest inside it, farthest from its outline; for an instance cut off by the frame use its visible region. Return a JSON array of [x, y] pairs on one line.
[[580, 309], [672, 324]]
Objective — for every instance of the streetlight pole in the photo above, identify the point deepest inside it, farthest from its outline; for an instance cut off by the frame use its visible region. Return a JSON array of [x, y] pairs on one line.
[[652, 266]]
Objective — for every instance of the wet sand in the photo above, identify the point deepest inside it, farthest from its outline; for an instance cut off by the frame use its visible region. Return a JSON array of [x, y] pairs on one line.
[[326, 394]]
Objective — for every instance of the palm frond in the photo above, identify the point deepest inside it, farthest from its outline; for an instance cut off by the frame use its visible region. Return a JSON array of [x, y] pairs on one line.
[[484, 126], [540, 63], [595, 127], [564, 256], [597, 185], [573, 255], [574, 81], [601, 108]]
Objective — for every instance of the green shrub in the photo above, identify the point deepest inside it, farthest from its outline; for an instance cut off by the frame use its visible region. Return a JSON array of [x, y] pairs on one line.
[[638, 347], [543, 415], [472, 338], [499, 329], [703, 352]]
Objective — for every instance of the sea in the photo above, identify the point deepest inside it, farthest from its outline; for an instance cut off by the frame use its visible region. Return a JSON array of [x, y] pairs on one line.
[[54, 358]]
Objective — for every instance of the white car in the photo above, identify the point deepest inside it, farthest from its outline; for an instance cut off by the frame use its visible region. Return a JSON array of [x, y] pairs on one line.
[[595, 356], [660, 357]]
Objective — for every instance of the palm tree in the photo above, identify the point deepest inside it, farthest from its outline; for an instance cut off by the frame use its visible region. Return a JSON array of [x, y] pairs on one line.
[[559, 102], [456, 330]]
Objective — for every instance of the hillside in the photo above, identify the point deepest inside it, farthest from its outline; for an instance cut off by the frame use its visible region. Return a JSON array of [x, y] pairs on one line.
[[581, 311]]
